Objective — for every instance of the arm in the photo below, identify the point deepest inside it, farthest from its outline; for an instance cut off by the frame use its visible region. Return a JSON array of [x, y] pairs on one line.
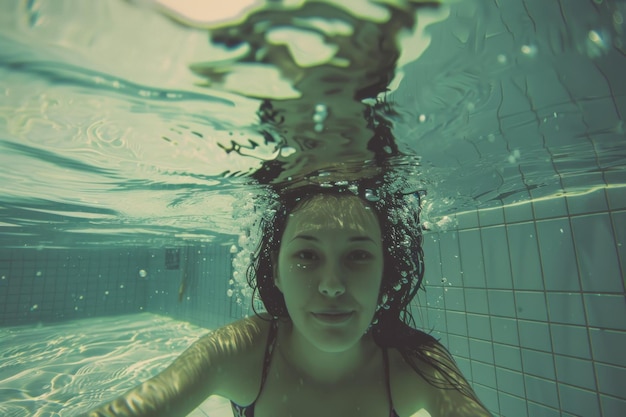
[[207, 367]]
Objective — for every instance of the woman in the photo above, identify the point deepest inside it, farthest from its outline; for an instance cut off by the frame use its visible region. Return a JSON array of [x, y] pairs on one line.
[[336, 269]]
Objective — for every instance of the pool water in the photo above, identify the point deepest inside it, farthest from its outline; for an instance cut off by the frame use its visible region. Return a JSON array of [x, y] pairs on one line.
[[68, 368], [134, 136]]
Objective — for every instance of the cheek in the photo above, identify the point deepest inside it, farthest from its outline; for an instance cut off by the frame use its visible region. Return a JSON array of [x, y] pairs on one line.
[[291, 279]]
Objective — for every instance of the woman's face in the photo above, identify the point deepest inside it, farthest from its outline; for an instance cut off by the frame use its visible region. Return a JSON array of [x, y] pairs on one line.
[[329, 269]]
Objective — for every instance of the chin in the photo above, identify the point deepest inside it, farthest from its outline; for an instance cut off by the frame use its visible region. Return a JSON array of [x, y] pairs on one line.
[[335, 337]]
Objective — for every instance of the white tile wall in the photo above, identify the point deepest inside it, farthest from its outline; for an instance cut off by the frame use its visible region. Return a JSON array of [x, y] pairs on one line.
[[541, 305]]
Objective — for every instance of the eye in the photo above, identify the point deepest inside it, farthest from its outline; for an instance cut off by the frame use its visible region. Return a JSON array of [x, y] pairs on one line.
[[360, 256], [306, 255]]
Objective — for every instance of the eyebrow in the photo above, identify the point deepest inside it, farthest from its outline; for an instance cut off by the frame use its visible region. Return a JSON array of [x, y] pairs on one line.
[[351, 239]]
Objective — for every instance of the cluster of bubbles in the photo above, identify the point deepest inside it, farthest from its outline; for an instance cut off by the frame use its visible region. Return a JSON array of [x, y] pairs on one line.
[[320, 115], [245, 211]]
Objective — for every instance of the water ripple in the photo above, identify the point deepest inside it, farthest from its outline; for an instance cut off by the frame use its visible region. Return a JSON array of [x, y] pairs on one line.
[[63, 369]]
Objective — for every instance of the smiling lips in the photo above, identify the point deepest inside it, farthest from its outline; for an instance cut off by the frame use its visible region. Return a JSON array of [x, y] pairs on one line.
[[333, 316]]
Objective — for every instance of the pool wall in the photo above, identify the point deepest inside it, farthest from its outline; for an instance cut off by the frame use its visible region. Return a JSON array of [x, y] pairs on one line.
[[530, 300], [49, 285], [528, 297]]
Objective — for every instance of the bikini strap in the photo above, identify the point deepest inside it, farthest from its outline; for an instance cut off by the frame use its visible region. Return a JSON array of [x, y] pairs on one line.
[[387, 382], [269, 348]]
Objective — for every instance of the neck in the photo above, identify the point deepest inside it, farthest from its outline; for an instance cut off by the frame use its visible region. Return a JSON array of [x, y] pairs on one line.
[[316, 366]]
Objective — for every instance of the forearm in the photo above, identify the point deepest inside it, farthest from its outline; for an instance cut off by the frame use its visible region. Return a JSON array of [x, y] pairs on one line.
[[152, 398], [177, 390]]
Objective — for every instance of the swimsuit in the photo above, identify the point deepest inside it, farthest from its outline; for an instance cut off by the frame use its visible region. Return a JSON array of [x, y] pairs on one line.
[[248, 411]]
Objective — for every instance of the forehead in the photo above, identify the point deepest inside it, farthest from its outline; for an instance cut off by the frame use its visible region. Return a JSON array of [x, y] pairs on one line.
[[325, 212]]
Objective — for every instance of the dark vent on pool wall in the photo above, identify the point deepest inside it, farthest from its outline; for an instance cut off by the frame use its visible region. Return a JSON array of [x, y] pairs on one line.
[[172, 258]]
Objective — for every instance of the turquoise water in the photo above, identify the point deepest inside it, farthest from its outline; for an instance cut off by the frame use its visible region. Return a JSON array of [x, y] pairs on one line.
[[127, 136], [107, 140], [69, 368]]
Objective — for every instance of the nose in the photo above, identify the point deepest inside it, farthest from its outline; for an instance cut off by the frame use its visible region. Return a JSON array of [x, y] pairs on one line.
[[330, 283]]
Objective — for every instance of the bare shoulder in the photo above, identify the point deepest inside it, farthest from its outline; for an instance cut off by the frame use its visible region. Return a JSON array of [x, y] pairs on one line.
[[431, 381], [224, 362], [238, 349]]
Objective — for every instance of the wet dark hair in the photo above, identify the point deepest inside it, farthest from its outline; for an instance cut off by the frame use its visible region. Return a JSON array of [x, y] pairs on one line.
[[402, 247], [398, 214]]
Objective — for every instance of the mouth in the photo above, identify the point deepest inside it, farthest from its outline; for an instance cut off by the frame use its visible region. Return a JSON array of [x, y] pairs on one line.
[[335, 317]]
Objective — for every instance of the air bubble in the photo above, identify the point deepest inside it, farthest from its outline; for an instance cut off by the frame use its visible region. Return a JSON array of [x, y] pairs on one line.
[[143, 273], [229, 293], [371, 196], [529, 50]]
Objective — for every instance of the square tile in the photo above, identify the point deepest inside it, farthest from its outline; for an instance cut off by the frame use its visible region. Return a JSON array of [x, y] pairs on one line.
[[611, 380], [455, 298], [472, 262], [492, 215], [525, 263], [501, 303], [612, 406], [496, 256], [456, 323], [538, 363], [511, 382], [504, 330], [608, 346], [549, 207], [450, 258], [542, 391], [566, 308], [476, 300], [514, 405], [576, 372], [597, 254], [479, 326], [467, 219], [606, 311], [570, 340], [506, 356], [481, 350], [531, 305], [534, 335], [519, 211], [558, 259], [578, 401], [484, 374]]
